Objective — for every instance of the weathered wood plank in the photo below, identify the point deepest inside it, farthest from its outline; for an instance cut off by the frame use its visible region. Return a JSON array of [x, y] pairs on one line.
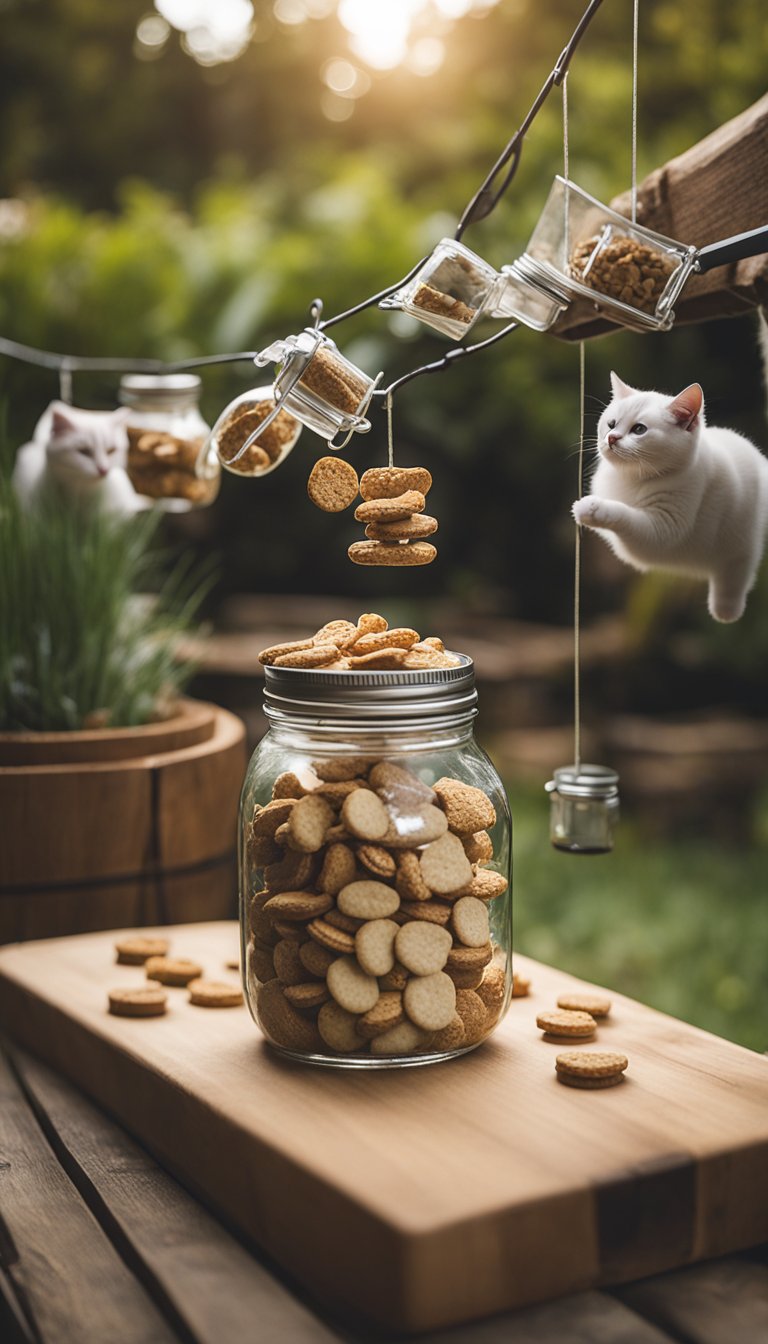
[[724, 1302], [77, 1287], [585, 1318], [187, 1259]]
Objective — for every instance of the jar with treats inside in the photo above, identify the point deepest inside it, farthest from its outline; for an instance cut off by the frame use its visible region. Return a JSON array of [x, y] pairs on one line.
[[318, 385], [254, 416], [374, 869], [169, 457]]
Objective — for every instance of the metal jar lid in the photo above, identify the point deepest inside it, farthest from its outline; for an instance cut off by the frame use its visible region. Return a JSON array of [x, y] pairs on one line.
[[585, 781], [372, 699], [156, 390]]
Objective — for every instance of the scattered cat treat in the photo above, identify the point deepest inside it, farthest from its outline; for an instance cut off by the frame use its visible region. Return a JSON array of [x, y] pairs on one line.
[[597, 1005], [172, 970], [137, 1002], [332, 484], [559, 1022], [368, 645], [214, 994], [590, 1068], [135, 951]]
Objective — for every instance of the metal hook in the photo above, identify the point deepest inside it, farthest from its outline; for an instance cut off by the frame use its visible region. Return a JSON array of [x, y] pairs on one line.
[[316, 312], [363, 426]]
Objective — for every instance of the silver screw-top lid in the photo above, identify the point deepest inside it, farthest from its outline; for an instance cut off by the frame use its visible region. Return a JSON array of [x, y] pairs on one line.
[[372, 698], [160, 390], [585, 781]]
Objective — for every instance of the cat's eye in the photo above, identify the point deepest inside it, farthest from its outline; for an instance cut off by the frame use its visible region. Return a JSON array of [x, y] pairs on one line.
[[611, 424], [638, 428], [85, 452]]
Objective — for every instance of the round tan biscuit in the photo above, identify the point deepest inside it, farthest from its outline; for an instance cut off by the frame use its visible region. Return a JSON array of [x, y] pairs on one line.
[[214, 994], [364, 814], [589, 1084], [281, 1023], [444, 865], [591, 1063], [396, 979], [486, 885], [339, 868], [387, 482], [521, 986], [267, 820], [451, 1037], [293, 905], [560, 1022], [403, 1039], [350, 986], [338, 1028], [422, 948], [478, 847], [287, 785], [491, 989], [267, 656], [473, 1013], [401, 637], [292, 932], [375, 946], [338, 769], [467, 808], [309, 820], [391, 508], [470, 921], [335, 632], [434, 912], [463, 958], [597, 1005], [386, 1013], [137, 1002], [398, 786], [409, 882], [315, 958], [368, 899], [327, 935], [347, 923], [172, 970], [465, 977], [377, 860], [414, 826], [309, 994], [135, 951], [403, 529], [289, 968], [335, 791], [262, 962], [317, 655], [332, 484], [430, 1001], [293, 872], [392, 553]]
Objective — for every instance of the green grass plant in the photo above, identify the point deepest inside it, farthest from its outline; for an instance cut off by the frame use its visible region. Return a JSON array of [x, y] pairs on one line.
[[680, 924], [90, 618]]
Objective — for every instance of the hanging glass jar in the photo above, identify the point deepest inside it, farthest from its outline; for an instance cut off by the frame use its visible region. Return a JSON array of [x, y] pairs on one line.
[[584, 808], [169, 459], [254, 413], [451, 291], [318, 385], [374, 869]]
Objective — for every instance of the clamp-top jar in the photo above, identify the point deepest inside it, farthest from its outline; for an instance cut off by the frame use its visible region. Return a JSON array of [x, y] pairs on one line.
[[374, 869], [169, 459]]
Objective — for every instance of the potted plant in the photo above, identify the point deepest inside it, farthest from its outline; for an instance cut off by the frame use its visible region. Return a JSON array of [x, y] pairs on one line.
[[118, 796]]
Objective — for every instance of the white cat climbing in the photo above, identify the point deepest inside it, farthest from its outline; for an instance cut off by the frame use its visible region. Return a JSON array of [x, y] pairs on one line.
[[672, 493]]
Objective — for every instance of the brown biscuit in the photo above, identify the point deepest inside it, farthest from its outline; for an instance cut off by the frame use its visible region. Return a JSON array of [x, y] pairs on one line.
[[420, 660], [137, 1002], [262, 962], [394, 980], [351, 986], [403, 1039], [316, 959], [335, 632], [266, 820], [172, 970], [392, 509], [260, 920], [386, 1013], [591, 1063], [308, 823], [338, 1028], [559, 1022], [293, 905], [388, 482], [281, 1023], [332, 484], [335, 791], [430, 1001], [473, 1013], [287, 785], [327, 935], [339, 868], [335, 769], [369, 623], [597, 1005], [521, 987], [409, 881], [413, 826], [317, 655], [444, 865], [465, 977], [294, 933], [377, 860], [364, 814], [478, 847], [289, 968], [491, 990], [347, 923], [422, 947], [310, 994], [401, 637], [392, 553], [400, 788], [403, 529], [451, 1037], [434, 912], [135, 951], [268, 656], [463, 958], [485, 885], [383, 660], [468, 809], [212, 994], [589, 1084]]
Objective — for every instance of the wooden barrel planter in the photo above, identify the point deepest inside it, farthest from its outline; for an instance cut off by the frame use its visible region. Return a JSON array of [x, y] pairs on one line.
[[120, 828]]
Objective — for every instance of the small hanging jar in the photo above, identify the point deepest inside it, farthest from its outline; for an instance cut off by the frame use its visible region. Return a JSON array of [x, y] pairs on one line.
[[169, 459], [318, 385], [584, 808], [253, 435], [451, 291]]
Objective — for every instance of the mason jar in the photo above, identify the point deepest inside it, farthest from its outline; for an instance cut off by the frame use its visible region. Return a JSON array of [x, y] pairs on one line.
[[374, 869], [169, 457], [318, 385], [451, 291], [584, 808]]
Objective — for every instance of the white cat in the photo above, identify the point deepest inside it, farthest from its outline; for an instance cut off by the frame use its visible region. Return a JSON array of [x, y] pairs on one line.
[[672, 493], [78, 456]]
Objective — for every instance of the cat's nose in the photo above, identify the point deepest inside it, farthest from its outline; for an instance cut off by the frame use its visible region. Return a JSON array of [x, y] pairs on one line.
[[102, 470], [613, 438]]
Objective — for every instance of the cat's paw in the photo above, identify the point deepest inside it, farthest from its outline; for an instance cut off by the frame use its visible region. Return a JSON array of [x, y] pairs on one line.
[[586, 511]]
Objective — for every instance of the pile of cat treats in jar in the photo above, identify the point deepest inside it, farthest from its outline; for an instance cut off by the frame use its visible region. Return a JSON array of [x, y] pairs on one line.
[[367, 646], [623, 268], [370, 934]]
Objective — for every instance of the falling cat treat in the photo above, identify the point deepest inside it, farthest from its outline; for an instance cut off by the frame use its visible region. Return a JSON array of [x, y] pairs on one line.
[[624, 269]]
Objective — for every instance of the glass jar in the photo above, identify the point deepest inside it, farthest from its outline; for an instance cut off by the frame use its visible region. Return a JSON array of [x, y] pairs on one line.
[[320, 386], [582, 249], [249, 415], [169, 459], [451, 291], [374, 869], [584, 808]]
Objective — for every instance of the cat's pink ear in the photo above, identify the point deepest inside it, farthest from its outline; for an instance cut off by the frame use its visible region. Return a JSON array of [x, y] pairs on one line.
[[122, 415], [620, 389], [686, 407], [62, 420]]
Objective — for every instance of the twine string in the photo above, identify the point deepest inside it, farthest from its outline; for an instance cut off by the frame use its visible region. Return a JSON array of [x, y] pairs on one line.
[[390, 440], [635, 33], [577, 575]]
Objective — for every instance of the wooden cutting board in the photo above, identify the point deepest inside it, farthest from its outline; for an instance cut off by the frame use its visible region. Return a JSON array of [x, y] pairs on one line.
[[420, 1197]]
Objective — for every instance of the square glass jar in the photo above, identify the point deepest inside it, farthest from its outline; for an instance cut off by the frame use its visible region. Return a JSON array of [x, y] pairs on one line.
[[451, 291]]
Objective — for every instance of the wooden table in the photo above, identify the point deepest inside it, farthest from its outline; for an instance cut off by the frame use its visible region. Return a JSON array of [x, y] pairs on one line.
[[99, 1245]]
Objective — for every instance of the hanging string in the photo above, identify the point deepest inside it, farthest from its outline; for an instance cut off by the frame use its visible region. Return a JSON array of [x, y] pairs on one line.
[[566, 175], [65, 383], [390, 441], [577, 576], [635, 32]]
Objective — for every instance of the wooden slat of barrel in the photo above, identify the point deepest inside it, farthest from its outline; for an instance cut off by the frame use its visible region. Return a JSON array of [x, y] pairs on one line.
[[193, 723]]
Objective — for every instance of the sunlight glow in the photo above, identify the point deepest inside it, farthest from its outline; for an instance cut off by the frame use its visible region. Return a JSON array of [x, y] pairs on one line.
[[214, 30], [379, 32], [426, 56]]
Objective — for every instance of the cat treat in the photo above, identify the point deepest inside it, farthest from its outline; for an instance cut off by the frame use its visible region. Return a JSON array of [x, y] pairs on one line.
[[395, 522], [671, 492], [623, 268], [235, 427]]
